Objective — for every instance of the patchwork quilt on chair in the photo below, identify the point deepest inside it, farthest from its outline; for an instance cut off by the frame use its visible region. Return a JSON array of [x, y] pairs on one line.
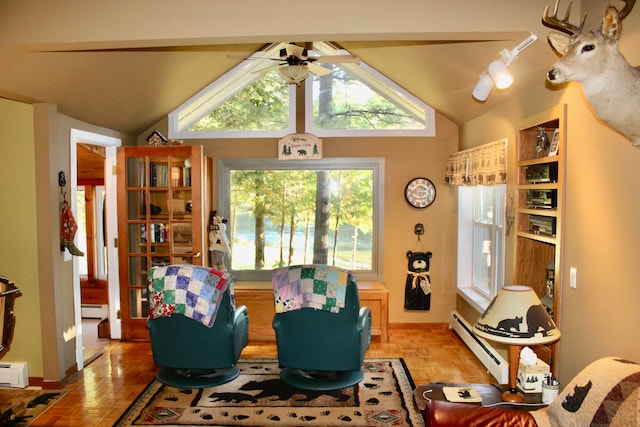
[[190, 290], [316, 286]]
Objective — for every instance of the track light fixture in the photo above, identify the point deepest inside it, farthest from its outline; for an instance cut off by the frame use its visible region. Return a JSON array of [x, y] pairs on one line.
[[498, 74], [483, 87]]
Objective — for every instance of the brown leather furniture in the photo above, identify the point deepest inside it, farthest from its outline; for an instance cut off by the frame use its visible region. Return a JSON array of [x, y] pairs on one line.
[[606, 392], [437, 411], [446, 414]]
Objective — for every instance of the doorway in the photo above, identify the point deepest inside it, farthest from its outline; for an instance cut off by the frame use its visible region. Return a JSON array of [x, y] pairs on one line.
[[85, 146]]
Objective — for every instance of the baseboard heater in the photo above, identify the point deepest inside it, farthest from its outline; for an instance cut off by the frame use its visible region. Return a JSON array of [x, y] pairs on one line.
[[14, 375], [95, 311], [490, 358]]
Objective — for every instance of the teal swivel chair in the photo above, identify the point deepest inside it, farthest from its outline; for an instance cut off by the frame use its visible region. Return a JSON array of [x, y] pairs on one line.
[[320, 350], [191, 355]]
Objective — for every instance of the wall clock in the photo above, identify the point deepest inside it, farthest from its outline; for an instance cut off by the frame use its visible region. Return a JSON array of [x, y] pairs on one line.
[[420, 192]]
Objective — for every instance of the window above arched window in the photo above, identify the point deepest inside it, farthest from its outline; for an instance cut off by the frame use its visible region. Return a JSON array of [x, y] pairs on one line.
[[253, 100]]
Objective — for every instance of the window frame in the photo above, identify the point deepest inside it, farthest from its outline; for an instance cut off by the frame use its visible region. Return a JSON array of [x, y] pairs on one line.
[[224, 87], [468, 223], [377, 82], [376, 164], [244, 74]]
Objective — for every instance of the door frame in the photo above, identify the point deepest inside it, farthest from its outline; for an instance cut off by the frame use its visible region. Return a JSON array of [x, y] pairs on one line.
[[78, 136]]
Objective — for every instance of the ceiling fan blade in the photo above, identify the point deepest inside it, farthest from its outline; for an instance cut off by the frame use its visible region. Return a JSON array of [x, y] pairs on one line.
[[269, 68], [253, 58], [318, 70], [295, 50], [336, 59]]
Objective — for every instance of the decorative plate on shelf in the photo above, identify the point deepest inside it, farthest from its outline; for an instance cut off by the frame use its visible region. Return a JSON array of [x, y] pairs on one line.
[[420, 192]]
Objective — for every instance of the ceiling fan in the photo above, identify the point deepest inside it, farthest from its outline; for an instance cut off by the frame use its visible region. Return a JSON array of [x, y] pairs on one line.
[[295, 64]]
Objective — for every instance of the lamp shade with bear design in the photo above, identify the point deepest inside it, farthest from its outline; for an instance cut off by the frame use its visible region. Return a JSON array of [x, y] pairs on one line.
[[516, 317]]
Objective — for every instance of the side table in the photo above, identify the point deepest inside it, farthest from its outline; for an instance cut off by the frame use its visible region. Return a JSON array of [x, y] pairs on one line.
[[490, 393]]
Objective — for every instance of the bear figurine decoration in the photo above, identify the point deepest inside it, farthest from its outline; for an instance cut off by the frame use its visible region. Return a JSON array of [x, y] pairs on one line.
[[417, 290]]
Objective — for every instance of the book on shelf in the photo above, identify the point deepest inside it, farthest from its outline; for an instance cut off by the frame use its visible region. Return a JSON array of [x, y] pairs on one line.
[[462, 394], [158, 174]]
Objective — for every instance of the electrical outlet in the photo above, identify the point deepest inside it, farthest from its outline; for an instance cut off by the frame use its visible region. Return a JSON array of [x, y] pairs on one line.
[[573, 277]]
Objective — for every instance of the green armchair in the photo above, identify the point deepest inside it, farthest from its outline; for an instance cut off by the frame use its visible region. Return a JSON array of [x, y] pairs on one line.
[[322, 350], [192, 355]]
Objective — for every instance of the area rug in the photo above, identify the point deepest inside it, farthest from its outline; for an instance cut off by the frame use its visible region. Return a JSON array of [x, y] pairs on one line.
[[258, 398], [21, 407]]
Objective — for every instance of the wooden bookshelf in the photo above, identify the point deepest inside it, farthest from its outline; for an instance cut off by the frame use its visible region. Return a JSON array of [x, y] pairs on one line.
[[540, 212], [161, 221]]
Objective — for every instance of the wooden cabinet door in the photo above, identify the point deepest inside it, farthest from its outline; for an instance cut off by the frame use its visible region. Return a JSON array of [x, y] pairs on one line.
[[160, 222]]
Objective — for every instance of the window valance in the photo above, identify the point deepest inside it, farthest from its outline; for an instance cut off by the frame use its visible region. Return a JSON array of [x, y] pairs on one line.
[[483, 165]]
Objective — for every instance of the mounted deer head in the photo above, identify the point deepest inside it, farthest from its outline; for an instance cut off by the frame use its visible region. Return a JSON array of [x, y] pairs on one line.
[[610, 84]]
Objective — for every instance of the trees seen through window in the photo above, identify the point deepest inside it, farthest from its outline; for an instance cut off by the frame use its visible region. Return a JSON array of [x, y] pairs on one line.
[[302, 214]]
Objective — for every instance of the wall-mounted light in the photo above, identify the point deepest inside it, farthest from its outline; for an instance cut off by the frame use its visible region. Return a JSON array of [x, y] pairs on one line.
[[498, 74]]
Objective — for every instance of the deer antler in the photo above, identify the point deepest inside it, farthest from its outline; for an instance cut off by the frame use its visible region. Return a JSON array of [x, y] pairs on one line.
[[628, 5], [563, 25]]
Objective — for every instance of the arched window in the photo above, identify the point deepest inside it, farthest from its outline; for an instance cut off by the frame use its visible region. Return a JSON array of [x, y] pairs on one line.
[[353, 100]]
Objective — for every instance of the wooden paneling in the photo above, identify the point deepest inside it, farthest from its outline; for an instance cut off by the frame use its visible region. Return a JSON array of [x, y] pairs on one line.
[[90, 163], [376, 296], [94, 292], [533, 256], [259, 302], [261, 310]]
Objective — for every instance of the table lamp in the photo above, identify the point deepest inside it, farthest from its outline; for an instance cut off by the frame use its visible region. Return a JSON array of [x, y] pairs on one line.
[[516, 317]]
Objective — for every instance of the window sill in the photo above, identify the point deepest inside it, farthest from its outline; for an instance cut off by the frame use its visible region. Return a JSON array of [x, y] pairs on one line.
[[475, 298]]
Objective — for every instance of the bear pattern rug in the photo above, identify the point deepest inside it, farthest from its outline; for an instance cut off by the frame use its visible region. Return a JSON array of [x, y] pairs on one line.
[[258, 398]]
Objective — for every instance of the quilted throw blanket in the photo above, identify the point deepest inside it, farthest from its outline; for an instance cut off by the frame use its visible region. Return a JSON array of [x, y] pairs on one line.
[[190, 290], [605, 393], [309, 286]]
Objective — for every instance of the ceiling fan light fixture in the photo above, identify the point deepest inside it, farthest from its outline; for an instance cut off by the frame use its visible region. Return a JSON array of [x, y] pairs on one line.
[[294, 74]]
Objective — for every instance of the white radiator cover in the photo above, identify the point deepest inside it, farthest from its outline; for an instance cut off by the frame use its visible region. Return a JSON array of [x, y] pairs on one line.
[[14, 375], [95, 311], [490, 358]]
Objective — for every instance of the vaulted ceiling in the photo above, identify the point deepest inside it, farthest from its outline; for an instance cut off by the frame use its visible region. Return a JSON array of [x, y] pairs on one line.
[[124, 65]]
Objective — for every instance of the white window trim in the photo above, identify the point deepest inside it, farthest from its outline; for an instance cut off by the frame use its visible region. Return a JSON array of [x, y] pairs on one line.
[[245, 72], [383, 85], [474, 298], [228, 85], [375, 163]]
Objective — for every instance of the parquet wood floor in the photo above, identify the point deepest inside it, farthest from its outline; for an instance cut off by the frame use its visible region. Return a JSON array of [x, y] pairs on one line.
[[104, 389]]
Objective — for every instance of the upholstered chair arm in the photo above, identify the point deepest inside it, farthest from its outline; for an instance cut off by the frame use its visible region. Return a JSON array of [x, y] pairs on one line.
[[240, 325], [364, 327]]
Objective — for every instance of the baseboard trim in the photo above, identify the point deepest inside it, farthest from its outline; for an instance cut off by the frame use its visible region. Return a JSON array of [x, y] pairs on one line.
[[45, 384], [483, 351], [54, 384]]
